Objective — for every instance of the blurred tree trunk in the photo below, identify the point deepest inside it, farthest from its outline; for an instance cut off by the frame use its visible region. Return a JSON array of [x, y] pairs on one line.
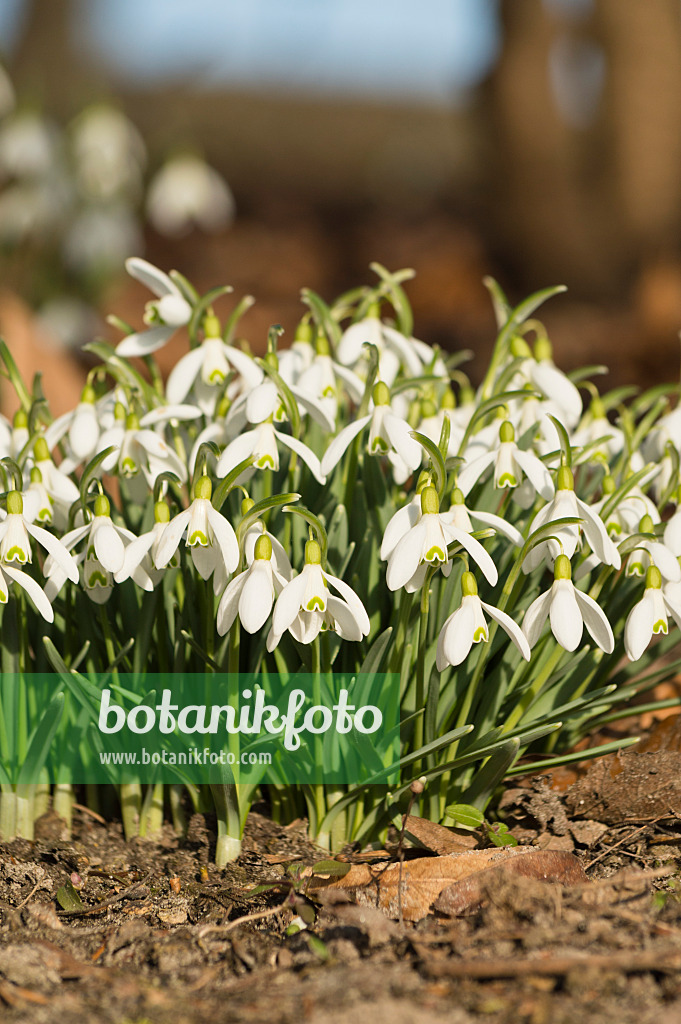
[[589, 204], [47, 65]]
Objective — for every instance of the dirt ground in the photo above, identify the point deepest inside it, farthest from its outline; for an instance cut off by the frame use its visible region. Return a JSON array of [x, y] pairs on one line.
[[159, 936]]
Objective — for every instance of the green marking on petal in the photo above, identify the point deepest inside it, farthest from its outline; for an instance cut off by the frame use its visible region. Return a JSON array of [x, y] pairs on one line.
[[315, 604], [97, 578], [90, 553], [264, 461], [480, 634], [17, 554], [198, 537], [635, 569], [435, 554], [216, 377], [3, 596], [507, 480], [660, 627], [128, 467], [379, 446], [328, 392]]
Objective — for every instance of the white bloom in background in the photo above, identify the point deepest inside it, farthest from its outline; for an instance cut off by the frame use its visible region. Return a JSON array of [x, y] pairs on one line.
[[598, 425], [566, 538], [187, 193], [295, 360], [394, 349], [433, 418], [164, 315], [323, 381], [102, 557], [210, 537], [426, 543], [650, 551], [108, 151], [568, 610], [305, 606], [467, 626], [263, 443], [650, 615], [672, 532], [251, 594], [541, 373], [99, 238], [28, 146], [80, 427], [388, 435], [58, 485], [623, 520], [7, 97], [511, 466]]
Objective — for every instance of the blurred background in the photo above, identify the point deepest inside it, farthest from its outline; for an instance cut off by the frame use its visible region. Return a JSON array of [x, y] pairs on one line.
[[271, 144]]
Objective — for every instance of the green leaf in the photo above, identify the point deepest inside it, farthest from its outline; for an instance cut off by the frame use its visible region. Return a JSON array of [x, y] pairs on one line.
[[502, 308], [316, 524], [202, 307], [15, 377], [89, 472], [260, 508], [465, 815], [69, 899], [398, 297], [39, 748], [492, 772], [436, 460], [565, 445], [322, 314], [336, 868], [220, 493]]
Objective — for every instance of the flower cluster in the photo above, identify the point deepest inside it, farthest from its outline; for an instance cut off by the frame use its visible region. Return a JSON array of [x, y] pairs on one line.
[[352, 502]]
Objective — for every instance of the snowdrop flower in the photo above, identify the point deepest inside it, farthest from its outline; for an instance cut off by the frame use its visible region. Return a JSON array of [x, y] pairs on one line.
[[624, 518], [566, 538], [109, 152], [649, 615], [15, 545], [185, 193], [251, 594], [388, 435], [394, 349], [459, 515], [511, 465], [164, 315], [426, 543], [142, 454], [143, 550], [102, 557], [467, 626], [433, 420], [650, 551], [568, 610], [58, 485], [80, 427], [597, 426], [27, 583], [206, 368], [322, 382], [38, 506], [261, 443], [541, 373], [305, 606], [210, 537], [295, 360], [28, 146]]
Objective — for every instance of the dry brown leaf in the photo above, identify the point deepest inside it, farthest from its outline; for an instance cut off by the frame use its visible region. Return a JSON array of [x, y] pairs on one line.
[[424, 879], [436, 837]]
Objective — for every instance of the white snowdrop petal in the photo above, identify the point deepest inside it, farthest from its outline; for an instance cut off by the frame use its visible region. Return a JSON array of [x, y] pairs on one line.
[[154, 279], [183, 375], [229, 603], [340, 443], [596, 622], [34, 591], [225, 536], [171, 538], [353, 602], [143, 343], [109, 547], [257, 596], [566, 620], [535, 617], [289, 603], [638, 629], [56, 549], [305, 453], [510, 627], [456, 636]]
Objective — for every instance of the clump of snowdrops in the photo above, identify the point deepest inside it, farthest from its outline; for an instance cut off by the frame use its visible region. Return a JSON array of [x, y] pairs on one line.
[[345, 503]]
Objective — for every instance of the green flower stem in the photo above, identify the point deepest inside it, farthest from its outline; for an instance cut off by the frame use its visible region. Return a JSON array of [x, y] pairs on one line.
[[63, 801], [8, 813], [406, 601], [130, 796], [151, 816], [108, 641], [421, 728]]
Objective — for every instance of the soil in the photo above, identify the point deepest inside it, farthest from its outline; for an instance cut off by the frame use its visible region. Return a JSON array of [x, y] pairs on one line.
[[158, 938]]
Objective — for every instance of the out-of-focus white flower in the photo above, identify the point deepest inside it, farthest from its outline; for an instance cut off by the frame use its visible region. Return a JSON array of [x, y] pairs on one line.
[[568, 610], [7, 97], [142, 453], [28, 145], [109, 152], [394, 349], [187, 193], [467, 626], [164, 315], [541, 373], [100, 238]]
